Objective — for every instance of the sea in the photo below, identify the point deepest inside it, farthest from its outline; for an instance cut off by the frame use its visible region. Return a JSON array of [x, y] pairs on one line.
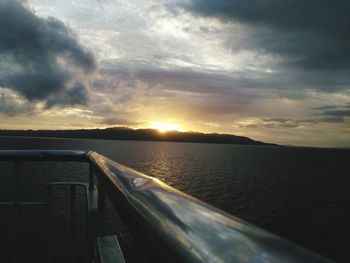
[[301, 194]]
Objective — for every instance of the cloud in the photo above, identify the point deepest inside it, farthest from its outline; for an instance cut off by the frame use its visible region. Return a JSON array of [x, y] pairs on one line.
[[334, 113], [13, 103], [336, 119], [193, 94], [326, 114], [41, 58], [287, 122], [311, 35], [326, 107], [186, 80], [134, 92], [338, 113], [77, 94]]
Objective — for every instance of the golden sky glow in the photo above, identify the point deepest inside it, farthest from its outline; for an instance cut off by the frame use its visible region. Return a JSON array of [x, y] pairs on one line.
[[166, 126]]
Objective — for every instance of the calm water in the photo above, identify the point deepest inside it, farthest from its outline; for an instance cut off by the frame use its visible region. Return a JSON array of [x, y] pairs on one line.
[[302, 194]]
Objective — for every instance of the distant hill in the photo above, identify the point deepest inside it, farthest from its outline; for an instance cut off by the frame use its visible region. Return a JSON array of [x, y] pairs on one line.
[[124, 133]]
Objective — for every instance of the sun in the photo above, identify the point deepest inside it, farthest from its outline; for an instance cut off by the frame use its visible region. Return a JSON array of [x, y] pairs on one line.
[[166, 126]]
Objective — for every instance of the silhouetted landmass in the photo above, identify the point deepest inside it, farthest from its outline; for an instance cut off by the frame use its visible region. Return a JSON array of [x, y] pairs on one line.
[[124, 133]]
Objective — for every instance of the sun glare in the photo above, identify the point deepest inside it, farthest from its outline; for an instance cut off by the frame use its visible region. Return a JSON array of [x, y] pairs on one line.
[[165, 126]]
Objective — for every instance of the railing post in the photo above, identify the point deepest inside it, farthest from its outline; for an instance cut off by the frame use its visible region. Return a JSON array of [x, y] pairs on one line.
[[91, 176], [90, 221], [18, 253], [101, 209], [49, 230], [73, 218]]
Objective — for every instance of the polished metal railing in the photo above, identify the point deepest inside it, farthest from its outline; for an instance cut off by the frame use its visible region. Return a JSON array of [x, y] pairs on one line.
[[169, 225]]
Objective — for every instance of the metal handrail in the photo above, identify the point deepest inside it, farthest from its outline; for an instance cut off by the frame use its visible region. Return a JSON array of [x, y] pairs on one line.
[[183, 229], [171, 226]]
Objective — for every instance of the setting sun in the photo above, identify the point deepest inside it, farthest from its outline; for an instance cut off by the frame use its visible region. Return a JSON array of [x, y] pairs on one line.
[[165, 126]]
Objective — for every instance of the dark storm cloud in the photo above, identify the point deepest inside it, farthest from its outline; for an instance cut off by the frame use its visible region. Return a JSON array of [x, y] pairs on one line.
[[339, 113], [312, 35], [77, 94], [334, 113], [326, 107], [336, 119], [327, 114], [40, 57]]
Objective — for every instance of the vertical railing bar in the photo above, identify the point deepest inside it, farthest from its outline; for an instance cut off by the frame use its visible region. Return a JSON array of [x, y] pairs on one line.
[[101, 209], [18, 252], [49, 215], [91, 176], [88, 228], [73, 219], [88, 216]]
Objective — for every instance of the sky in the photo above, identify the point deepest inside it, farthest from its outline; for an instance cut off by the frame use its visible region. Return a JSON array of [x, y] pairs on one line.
[[275, 71]]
